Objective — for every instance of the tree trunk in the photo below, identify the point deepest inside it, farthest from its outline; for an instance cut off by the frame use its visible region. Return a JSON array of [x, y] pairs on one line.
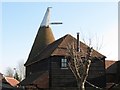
[[81, 85]]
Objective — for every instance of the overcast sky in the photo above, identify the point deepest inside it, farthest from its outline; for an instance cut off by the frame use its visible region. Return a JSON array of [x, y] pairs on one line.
[[20, 23]]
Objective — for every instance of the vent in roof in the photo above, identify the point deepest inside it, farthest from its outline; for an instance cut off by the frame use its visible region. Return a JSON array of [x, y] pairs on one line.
[[46, 19]]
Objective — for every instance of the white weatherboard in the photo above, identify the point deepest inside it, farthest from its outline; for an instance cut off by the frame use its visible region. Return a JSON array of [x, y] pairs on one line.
[[46, 19]]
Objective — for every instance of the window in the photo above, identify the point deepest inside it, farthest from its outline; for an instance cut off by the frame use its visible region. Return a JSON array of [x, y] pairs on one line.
[[64, 63]]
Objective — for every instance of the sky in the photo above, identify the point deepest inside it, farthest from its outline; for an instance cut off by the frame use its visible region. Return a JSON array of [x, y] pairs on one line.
[[21, 20]]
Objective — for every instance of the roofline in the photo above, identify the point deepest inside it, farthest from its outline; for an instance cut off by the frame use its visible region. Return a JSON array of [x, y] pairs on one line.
[[62, 55]]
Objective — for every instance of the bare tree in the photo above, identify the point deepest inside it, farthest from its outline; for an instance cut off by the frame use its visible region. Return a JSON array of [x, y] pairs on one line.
[[18, 72], [9, 72], [92, 40], [16, 76], [80, 65], [21, 70]]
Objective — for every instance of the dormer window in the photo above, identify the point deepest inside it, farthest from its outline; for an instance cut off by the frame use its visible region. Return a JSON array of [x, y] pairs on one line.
[[64, 63]]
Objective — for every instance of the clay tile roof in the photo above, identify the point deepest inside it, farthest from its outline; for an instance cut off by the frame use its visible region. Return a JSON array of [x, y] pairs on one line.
[[40, 79], [12, 81], [5, 85], [59, 48], [111, 66], [68, 39]]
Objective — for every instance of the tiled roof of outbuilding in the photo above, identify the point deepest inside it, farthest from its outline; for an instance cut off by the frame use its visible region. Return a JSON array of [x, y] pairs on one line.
[[38, 78], [111, 66], [12, 81]]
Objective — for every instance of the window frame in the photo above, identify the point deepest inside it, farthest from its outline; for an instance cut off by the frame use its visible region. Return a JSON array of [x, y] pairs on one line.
[[63, 63]]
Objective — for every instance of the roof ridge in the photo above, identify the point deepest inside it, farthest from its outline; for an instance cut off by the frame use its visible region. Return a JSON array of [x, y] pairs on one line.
[[55, 48], [93, 49]]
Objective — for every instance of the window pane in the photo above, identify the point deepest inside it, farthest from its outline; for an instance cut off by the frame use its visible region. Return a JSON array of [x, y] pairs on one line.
[[64, 60], [63, 63]]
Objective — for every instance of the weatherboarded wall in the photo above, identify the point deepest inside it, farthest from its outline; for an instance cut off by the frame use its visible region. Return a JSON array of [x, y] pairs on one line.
[[40, 66], [60, 77], [63, 78]]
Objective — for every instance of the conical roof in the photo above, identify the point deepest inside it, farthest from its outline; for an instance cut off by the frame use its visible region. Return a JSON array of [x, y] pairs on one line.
[[43, 38]]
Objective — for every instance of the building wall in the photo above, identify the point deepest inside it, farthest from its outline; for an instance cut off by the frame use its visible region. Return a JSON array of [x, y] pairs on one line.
[[60, 77], [113, 72], [65, 78], [111, 78], [37, 67], [97, 74], [118, 71]]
